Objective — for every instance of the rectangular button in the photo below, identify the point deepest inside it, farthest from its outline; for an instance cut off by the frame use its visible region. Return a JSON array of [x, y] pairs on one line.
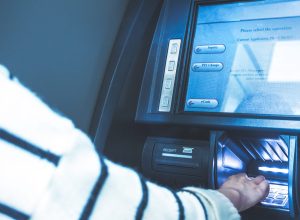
[[165, 101], [174, 48], [271, 195], [268, 200], [168, 84], [282, 191], [277, 201], [280, 197], [171, 66]]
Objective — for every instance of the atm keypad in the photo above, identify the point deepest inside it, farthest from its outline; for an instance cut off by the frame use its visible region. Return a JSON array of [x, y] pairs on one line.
[[278, 196]]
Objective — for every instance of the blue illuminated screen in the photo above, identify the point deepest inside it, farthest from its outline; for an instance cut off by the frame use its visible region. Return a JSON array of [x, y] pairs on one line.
[[246, 59]]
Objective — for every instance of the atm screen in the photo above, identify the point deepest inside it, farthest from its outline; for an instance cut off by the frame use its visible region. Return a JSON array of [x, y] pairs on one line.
[[246, 59]]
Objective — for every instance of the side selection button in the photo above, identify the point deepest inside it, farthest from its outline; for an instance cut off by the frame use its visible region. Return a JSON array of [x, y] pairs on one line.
[[174, 48], [168, 83], [210, 49], [207, 67], [165, 101], [202, 103], [171, 66]]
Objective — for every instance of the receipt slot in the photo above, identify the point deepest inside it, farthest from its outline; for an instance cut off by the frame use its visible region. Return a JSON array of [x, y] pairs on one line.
[[273, 156], [176, 162]]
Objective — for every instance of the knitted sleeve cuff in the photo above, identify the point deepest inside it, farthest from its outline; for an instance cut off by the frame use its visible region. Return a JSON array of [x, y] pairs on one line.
[[216, 204]]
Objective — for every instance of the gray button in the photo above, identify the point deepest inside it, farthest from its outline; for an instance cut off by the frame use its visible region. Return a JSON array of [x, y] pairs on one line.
[[271, 195], [272, 190], [277, 201], [207, 67], [282, 191], [174, 48], [202, 103], [165, 101], [171, 66], [168, 84], [280, 197], [209, 49], [267, 200]]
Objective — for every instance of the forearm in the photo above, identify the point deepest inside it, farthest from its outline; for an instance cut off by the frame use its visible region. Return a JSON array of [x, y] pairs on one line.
[[50, 170]]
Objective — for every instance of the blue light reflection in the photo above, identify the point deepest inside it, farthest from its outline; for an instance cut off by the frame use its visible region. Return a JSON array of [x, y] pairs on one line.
[[274, 170]]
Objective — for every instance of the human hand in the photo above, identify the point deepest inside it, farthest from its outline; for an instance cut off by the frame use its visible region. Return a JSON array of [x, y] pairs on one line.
[[245, 192]]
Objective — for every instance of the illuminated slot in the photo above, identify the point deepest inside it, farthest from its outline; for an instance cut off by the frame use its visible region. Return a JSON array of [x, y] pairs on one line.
[[177, 155], [273, 169]]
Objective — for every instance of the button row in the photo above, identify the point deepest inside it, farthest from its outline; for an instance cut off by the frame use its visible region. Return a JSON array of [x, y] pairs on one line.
[[169, 75]]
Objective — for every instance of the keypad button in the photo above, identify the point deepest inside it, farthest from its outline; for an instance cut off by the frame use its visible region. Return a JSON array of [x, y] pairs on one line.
[[277, 201], [272, 190], [271, 195], [268, 200], [280, 196], [283, 192]]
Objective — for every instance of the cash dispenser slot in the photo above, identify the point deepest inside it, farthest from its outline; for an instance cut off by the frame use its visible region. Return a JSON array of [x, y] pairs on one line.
[[273, 156]]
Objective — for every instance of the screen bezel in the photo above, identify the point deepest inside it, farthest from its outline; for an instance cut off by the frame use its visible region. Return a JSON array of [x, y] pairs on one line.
[[187, 64]]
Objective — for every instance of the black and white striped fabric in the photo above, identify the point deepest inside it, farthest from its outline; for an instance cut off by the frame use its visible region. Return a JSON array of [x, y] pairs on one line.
[[49, 170]]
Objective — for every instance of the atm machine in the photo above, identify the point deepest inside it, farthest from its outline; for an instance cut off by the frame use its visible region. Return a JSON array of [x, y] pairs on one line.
[[231, 67]]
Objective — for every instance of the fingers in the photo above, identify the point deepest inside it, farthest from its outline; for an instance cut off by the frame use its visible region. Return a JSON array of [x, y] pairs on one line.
[[257, 180], [239, 176], [245, 178], [243, 191], [264, 188]]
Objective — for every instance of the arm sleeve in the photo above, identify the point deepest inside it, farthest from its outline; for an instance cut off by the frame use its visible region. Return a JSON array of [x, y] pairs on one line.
[[50, 170]]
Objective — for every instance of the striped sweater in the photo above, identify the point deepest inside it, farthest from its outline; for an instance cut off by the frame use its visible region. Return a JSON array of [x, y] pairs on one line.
[[50, 170]]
